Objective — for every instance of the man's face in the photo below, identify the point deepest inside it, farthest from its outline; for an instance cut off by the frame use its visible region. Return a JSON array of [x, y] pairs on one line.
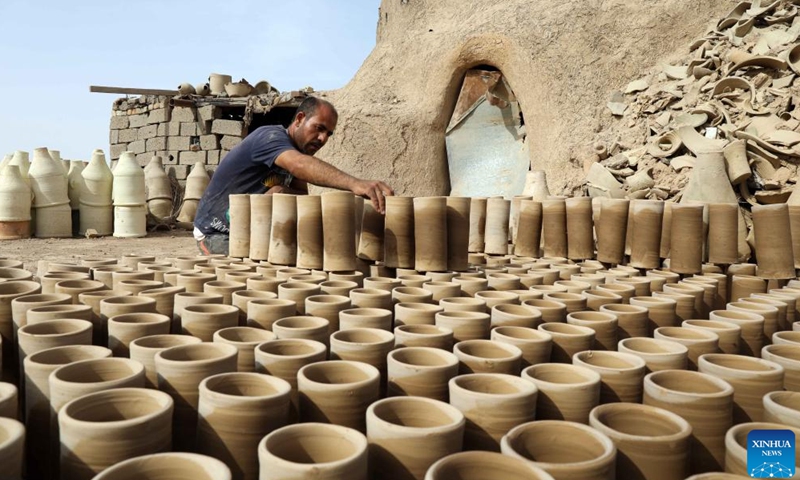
[[312, 133]]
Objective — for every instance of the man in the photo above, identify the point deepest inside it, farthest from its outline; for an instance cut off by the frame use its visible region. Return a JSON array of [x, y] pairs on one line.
[[273, 159]]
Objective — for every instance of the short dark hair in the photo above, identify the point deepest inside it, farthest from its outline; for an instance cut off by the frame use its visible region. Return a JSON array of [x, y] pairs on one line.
[[310, 104]]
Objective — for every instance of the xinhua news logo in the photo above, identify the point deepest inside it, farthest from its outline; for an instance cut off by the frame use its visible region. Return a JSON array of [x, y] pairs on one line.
[[770, 453]]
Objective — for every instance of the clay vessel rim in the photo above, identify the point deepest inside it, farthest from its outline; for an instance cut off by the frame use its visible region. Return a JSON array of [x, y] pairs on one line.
[[60, 308], [736, 316], [590, 377], [370, 373], [142, 342], [14, 428], [463, 347], [609, 448], [598, 293], [544, 303], [598, 413], [339, 284], [18, 288], [162, 291], [382, 279], [501, 295], [279, 386], [590, 316], [419, 306], [314, 347], [754, 306], [775, 349], [222, 351], [565, 329], [127, 300], [221, 335], [733, 437], [282, 302], [461, 301], [311, 430], [226, 284], [776, 403], [671, 347], [411, 291], [713, 359], [700, 335], [636, 362], [413, 277], [254, 294], [79, 326], [455, 417], [219, 469], [524, 387], [41, 297], [725, 389], [326, 299], [449, 358], [463, 315], [163, 400], [370, 291], [516, 310], [64, 350], [365, 311], [712, 325], [381, 336], [301, 322], [654, 301], [133, 367], [623, 308], [210, 309], [439, 330], [788, 335], [77, 283], [139, 318], [525, 334]]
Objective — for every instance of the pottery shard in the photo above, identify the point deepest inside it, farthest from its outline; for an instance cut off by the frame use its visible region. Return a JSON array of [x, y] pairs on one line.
[[601, 183], [637, 86], [617, 104]]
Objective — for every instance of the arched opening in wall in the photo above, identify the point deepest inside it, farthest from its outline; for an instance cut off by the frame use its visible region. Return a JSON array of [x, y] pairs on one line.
[[487, 152]]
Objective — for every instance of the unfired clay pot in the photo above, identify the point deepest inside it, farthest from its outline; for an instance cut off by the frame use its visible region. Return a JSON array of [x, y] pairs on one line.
[[203, 320], [313, 450], [621, 374], [773, 240], [245, 339], [328, 307], [698, 342], [283, 233], [284, 358], [603, 324], [123, 329], [498, 211], [260, 224], [422, 335], [652, 443], [567, 340], [430, 234], [235, 411], [367, 345], [421, 371], [751, 324], [782, 407], [566, 392], [611, 230], [477, 224], [168, 466], [465, 325], [657, 354], [729, 334], [380, 318], [484, 465], [536, 346], [632, 320], [486, 356], [12, 447], [144, 350], [302, 326], [788, 356], [736, 445]]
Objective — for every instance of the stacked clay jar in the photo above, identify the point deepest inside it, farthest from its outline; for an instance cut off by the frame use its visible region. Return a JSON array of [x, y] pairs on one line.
[[382, 346]]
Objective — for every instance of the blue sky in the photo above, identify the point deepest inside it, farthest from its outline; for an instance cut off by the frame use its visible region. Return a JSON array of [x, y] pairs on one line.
[[52, 50]]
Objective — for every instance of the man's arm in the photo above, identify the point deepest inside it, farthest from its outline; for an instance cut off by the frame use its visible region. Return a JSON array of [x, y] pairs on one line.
[[313, 170]]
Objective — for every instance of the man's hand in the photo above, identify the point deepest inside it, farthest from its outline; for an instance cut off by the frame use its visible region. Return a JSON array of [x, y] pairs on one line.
[[375, 190]]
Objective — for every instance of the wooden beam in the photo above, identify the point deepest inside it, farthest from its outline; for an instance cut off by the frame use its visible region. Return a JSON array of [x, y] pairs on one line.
[[131, 91]]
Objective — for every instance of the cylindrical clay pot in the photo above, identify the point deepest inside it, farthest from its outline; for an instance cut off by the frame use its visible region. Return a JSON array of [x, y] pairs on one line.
[[283, 231], [399, 232], [338, 230], [566, 392], [309, 231], [430, 234], [497, 214], [168, 466]]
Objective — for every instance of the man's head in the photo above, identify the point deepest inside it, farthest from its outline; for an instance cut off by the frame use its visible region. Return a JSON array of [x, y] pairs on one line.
[[313, 124]]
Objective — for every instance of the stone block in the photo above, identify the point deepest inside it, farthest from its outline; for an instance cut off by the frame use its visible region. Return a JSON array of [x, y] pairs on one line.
[[136, 121], [208, 113], [162, 130], [159, 115], [189, 129], [156, 144], [113, 136], [170, 158], [228, 127], [178, 171], [137, 146], [209, 142], [184, 114], [173, 129], [178, 143], [228, 142], [190, 158], [148, 131], [212, 157], [204, 127], [128, 135], [144, 158], [116, 150], [118, 122]]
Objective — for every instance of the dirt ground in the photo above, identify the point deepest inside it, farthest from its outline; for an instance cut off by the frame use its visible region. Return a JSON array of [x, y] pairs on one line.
[[161, 244]]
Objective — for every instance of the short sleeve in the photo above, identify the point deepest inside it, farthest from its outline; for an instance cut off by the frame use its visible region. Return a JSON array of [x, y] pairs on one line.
[[269, 144]]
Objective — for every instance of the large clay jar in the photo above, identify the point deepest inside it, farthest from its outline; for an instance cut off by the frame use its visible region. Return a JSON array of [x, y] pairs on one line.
[[736, 446], [723, 228], [751, 378], [782, 407], [484, 465], [611, 230], [751, 325], [283, 232], [566, 392], [407, 435], [458, 216], [180, 370], [159, 190], [430, 234], [370, 244], [698, 342], [235, 411], [621, 374], [787, 356], [313, 450], [338, 231], [203, 320], [245, 339], [263, 313], [652, 443], [657, 354], [646, 233], [168, 466], [773, 241], [567, 340], [196, 183], [498, 212], [12, 447], [15, 198], [563, 449], [493, 404], [399, 232], [423, 335], [128, 193], [536, 346], [705, 401], [421, 372], [337, 392], [50, 196], [136, 421], [144, 350]]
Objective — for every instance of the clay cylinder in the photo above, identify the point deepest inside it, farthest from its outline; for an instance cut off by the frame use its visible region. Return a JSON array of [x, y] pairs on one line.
[[794, 225], [723, 230], [245, 339], [367, 345], [603, 324], [137, 422], [657, 354], [458, 215], [203, 320], [309, 231], [370, 244], [536, 346], [338, 231], [180, 371], [168, 466], [283, 359], [492, 404], [529, 233], [632, 320], [697, 342], [421, 372], [283, 230], [498, 210], [260, 226], [415, 313], [407, 435], [123, 329], [611, 230], [36, 337], [646, 233], [729, 334], [563, 449], [239, 242], [652, 443], [144, 349], [398, 232], [686, 241], [313, 450], [751, 379], [566, 392], [751, 324], [706, 402], [567, 340], [621, 374], [478, 465], [737, 443], [430, 234], [263, 313], [12, 447], [235, 411], [183, 299], [580, 233], [782, 407], [477, 224], [337, 392], [423, 336], [486, 356], [773, 241], [554, 227]]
